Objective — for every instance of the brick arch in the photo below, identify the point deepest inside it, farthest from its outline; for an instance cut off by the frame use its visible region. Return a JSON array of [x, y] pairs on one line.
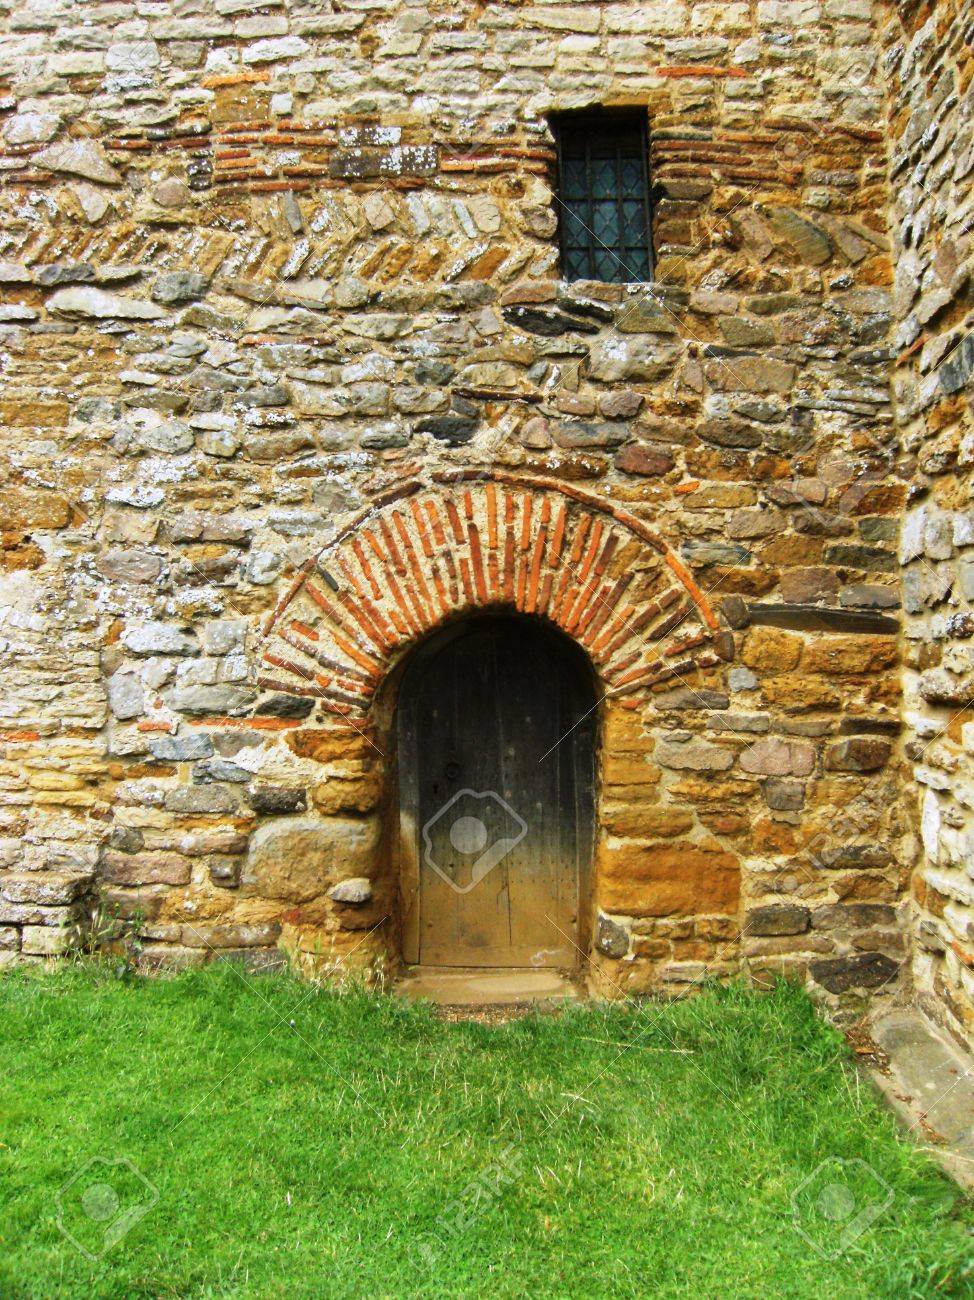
[[465, 540]]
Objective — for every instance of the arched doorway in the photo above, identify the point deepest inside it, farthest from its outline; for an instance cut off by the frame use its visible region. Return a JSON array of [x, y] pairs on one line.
[[497, 725]]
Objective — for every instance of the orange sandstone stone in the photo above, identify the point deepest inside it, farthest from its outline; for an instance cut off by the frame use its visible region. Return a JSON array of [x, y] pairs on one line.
[[646, 821], [850, 654], [768, 649], [670, 879]]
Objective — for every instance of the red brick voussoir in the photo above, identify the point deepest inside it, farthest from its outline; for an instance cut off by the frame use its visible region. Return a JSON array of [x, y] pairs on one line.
[[429, 551]]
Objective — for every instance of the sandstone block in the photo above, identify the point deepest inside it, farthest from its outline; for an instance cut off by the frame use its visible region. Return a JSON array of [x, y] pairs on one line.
[[584, 433], [850, 654], [299, 859], [204, 935], [224, 871], [44, 941], [644, 459], [642, 820], [171, 193], [808, 241], [38, 914], [860, 754], [622, 404], [129, 565], [26, 508], [668, 879], [566, 18], [46, 888], [614, 357], [151, 868], [347, 794], [172, 957], [775, 757], [751, 374], [696, 755], [803, 586], [767, 649]]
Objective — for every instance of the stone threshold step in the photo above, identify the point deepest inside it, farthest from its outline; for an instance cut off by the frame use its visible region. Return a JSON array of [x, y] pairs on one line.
[[930, 1086], [481, 987]]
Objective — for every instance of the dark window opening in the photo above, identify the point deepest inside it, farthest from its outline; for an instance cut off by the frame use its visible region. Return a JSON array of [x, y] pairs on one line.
[[602, 195]]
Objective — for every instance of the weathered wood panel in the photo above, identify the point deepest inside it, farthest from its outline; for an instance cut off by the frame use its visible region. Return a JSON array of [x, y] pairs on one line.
[[497, 731]]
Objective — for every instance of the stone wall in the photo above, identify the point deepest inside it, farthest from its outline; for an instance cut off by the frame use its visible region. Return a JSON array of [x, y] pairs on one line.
[[262, 265], [930, 62]]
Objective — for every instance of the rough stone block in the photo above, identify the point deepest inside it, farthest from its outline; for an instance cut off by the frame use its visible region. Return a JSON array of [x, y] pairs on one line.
[[202, 701], [44, 887], [774, 757], [355, 891], [668, 879], [611, 938], [201, 799], [158, 639], [277, 799], [767, 649], [645, 459], [151, 868], [777, 919], [37, 914], [43, 941], [301, 858], [206, 935], [181, 749], [696, 755], [784, 796], [872, 970], [861, 754]]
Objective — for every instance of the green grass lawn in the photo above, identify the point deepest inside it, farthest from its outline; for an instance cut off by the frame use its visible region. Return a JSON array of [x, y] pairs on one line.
[[222, 1135]]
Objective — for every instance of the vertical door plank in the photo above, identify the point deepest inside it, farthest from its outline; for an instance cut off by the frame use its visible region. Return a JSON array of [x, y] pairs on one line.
[[500, 711]]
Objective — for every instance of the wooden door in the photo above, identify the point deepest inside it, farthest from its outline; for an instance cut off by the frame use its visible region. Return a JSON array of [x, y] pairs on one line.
[[497, 760]]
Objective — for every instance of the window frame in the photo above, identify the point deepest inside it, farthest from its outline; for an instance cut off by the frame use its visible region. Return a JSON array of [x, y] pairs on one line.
[[602, 121]]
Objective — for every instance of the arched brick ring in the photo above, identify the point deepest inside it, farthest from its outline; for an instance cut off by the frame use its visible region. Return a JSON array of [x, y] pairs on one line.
[[416, 557]]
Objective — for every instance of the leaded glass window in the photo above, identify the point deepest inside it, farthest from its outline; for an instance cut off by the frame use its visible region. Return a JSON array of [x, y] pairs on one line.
[[603, 195]]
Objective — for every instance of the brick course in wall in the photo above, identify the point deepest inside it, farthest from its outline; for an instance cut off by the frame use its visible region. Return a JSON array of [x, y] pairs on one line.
[[290, 379]]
